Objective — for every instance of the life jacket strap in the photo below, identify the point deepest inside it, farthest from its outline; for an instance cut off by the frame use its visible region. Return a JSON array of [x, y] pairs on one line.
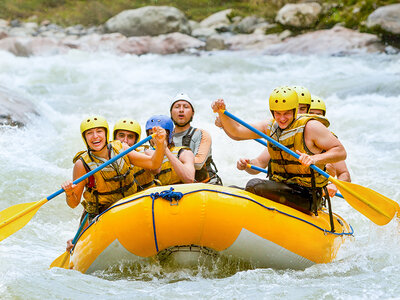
[[120, 190]]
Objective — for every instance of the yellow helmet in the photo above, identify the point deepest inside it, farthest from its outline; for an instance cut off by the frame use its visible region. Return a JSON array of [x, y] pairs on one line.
[[94, 122], [304, 95], [318, 103], [129, 125], [284, 98]]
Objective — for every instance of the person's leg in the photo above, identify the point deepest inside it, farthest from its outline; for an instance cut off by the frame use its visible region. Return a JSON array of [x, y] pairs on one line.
[[290, 195]]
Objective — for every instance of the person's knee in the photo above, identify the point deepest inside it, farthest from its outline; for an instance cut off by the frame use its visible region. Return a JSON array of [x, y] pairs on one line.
[[252, 185]]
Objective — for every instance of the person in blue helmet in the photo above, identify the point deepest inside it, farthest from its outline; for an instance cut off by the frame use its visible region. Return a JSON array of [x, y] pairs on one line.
[[178, 164]]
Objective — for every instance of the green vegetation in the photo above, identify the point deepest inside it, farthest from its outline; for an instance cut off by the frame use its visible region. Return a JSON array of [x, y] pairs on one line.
[[95, 12], [351, 13]]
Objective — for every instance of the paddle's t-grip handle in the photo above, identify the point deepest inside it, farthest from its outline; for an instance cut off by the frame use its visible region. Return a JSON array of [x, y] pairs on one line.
[[104, 165]]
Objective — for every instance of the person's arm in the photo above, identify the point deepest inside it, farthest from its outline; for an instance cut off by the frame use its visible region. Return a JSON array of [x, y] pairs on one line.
[[342, 172], [218, 123], [202, 141], [73, 192], [340, 169], [318, 138], [155, 159], [261, 161], [184, 166], [233, 128]]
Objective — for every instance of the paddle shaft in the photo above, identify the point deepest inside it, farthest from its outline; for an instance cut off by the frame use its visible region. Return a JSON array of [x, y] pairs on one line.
[[103, 165], [80, 228]]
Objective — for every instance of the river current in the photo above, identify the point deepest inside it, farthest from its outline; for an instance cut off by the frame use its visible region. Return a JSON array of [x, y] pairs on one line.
[[362, 94]]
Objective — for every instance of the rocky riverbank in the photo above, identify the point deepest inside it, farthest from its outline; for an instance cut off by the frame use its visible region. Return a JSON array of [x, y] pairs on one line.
[[166, 30]]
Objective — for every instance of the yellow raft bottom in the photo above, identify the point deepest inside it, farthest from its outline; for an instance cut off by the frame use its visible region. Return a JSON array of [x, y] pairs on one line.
[[208, 219]]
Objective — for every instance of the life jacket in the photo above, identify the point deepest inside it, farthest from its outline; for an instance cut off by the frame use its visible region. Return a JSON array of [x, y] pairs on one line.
[[283, 166], [144, 178], [209, 169], [167, 174], [108, 185]]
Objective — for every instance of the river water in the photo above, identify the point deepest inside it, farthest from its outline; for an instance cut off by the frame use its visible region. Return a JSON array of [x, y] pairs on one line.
[[362, 94]]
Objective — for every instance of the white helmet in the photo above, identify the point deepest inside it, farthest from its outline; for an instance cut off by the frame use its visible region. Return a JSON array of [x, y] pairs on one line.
[[181, 96]]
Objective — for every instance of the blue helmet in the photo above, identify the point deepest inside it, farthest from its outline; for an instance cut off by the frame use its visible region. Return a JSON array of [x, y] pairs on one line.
[[162, 121]]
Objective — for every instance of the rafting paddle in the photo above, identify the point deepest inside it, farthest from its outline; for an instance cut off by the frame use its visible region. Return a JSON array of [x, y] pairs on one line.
[[376, 207], [17, 216], [63, 260]]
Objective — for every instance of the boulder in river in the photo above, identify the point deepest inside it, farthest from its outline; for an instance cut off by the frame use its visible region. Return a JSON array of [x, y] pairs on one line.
[[387, 18], [148, 20], [335, 41], [15, 110]]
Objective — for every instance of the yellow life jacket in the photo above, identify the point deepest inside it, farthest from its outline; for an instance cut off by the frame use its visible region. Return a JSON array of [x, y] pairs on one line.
[[144, 178], [283, 166], [167, 174], [111, 183]]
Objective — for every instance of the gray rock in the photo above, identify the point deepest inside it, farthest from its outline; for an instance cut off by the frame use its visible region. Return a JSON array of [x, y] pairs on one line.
[[3, 33], [203, 33], [302, 15], [149, 20], [15, 110], [248, 24], [335, 41], [21, 31], [15, 23], [33, 26], [215, 42], [193, 25], [387, 18], [254, 42], [28, 46], [285, 34], [174, 43], [219, 19], [3, 23]]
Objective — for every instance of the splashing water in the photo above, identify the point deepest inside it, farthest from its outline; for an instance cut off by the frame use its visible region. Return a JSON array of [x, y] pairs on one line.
[[363, 104]]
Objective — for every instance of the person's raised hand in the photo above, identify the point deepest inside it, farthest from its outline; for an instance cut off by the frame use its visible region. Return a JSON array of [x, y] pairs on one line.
[[218, 105]]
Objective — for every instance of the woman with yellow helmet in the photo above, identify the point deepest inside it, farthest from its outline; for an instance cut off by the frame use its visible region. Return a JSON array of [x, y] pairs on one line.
[[128, 131], [291, 181], [113, 182]]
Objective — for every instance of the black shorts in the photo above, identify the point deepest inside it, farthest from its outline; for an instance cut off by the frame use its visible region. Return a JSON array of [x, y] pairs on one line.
[[293, 195]]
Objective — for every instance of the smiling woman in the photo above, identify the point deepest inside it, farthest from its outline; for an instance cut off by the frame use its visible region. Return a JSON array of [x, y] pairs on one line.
[[113, 182]]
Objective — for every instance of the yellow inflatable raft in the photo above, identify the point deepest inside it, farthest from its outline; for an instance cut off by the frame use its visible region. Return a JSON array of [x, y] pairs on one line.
[[202, 218]]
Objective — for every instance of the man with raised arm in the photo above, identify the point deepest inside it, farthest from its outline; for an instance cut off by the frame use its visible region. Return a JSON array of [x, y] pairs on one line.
[[291, 181]]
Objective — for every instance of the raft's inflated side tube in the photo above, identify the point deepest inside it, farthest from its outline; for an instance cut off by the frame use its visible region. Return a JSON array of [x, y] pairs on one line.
[[224, 219]]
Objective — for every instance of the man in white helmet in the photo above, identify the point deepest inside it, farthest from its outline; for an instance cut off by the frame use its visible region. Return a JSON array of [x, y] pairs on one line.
[[198, 140]]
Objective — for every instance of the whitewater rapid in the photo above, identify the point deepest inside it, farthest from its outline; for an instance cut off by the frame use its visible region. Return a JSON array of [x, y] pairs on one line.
[[363, 106]]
